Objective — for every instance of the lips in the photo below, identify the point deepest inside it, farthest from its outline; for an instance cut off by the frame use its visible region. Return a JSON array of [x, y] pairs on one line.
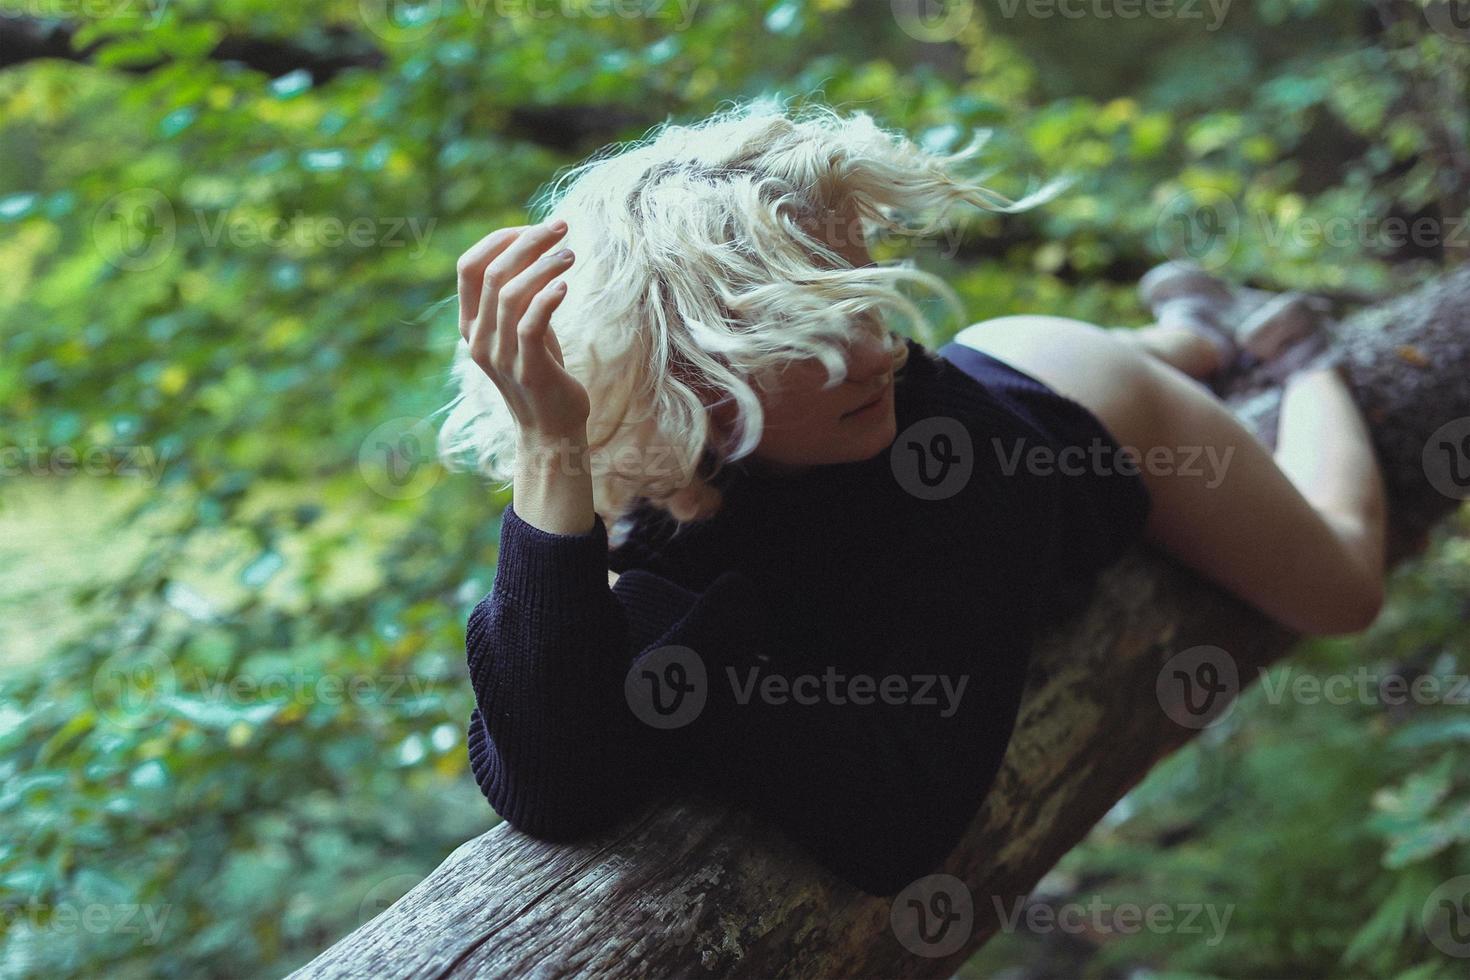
[[870, 402]]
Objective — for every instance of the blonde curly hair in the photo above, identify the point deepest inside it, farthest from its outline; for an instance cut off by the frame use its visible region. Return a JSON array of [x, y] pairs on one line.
[[698, 274]]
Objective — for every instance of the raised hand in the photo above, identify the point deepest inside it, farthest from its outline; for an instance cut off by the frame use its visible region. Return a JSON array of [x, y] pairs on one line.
[[506, 298]]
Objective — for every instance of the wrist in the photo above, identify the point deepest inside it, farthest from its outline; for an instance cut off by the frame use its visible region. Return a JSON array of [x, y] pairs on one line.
[[547, 452]]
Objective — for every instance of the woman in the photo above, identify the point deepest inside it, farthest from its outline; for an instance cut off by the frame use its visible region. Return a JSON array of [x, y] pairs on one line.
[[830, 546]]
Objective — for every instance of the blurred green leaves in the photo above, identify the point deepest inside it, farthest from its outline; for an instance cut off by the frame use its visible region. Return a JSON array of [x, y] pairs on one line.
[[241, 712]]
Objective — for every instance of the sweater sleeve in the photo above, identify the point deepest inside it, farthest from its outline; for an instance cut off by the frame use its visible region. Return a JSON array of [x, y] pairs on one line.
[[561, 743], [552, 743], [877, 783]]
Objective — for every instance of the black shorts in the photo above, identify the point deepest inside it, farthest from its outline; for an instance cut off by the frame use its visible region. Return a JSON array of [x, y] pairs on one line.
[[1107, 504]]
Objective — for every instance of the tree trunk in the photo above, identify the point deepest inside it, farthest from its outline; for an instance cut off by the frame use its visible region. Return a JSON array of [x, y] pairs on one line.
[[689, 889]]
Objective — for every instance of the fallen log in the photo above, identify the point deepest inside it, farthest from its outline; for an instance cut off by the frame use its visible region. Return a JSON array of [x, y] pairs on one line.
[[686, 888]]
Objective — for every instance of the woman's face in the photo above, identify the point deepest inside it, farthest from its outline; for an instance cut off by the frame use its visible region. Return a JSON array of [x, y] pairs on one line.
[[808, 425]]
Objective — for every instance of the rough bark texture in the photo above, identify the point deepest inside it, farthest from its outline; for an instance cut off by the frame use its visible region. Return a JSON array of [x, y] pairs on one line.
[[688, 889]]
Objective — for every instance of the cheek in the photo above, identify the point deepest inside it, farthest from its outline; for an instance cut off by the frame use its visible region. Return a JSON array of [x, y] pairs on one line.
[[798, 397], [784, 415]]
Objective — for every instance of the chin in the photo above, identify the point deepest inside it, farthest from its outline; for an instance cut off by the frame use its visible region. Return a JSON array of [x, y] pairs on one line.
[[878, 437]]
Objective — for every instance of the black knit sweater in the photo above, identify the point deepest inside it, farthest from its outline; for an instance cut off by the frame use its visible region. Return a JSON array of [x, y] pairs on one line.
[[842, 650]]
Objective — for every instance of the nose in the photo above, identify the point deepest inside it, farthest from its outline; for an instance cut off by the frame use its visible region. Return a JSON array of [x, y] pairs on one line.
[[869, 357]]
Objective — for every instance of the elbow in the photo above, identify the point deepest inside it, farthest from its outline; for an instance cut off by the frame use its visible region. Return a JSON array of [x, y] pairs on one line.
[[1352, 611], [564, 826], [557, 811], [538, 797]]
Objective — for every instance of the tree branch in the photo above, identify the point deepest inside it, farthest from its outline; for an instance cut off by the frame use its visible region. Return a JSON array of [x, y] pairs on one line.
[[686, 888]]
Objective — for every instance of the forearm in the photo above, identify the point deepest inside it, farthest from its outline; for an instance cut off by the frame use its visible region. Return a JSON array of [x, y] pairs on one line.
[[547, 652], [553, 483]]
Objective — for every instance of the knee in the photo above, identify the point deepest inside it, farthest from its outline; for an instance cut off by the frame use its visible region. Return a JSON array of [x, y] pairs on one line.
[[1351, 610], [1360, 595]]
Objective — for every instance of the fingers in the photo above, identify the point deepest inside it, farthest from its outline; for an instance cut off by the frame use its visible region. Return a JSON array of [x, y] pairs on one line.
[[520, 291], [513, 274], [484, 270], [499, 277], [471, 270], [535, 332]]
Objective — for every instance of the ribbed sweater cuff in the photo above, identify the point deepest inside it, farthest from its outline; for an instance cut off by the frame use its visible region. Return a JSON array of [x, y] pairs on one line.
[[548, 569]]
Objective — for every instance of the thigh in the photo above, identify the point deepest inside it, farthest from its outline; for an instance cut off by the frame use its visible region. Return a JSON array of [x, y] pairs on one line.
[[1221, 505], [1084, 362]]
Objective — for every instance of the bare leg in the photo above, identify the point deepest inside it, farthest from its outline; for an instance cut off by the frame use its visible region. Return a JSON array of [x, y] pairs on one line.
[[1323, 445], [1299, 536], [1179, 348]]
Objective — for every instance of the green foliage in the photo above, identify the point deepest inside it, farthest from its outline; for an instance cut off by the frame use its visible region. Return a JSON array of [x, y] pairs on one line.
[[233, 699]]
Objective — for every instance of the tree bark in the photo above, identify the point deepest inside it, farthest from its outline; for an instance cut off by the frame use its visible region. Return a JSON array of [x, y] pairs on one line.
[[685, 888]]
